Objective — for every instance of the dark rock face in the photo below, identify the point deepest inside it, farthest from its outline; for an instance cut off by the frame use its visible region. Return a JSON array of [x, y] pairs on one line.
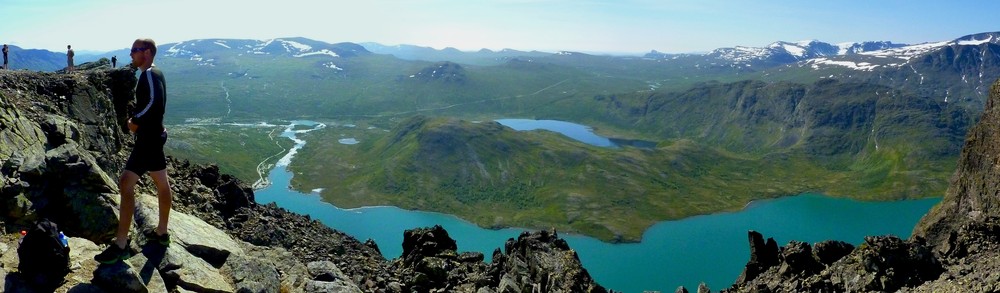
[[798, 260], [426, 242], [829, 251], [61, 141], [544, 260], [762, 257], [884, 263], [535, 262], [975, 191]]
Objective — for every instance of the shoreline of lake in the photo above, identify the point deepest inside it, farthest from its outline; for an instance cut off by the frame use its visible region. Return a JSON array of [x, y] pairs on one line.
[[714, 245]]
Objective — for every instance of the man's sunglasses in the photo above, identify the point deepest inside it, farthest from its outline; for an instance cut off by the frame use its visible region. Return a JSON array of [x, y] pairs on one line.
[[138, 49]]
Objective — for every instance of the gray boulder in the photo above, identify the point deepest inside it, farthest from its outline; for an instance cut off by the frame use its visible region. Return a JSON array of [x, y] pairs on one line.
[[192, 273], [252, 274], [193, 234]]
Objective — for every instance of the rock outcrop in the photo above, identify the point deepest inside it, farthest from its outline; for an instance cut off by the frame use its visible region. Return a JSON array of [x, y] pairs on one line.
[[63, 141], [974, 194], [534, 262]]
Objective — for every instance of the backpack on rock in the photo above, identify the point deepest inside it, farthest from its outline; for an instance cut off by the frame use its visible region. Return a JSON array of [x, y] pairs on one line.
[[43, 256]]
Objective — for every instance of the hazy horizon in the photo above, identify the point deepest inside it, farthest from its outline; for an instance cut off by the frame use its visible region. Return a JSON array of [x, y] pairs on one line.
[[590, 26]]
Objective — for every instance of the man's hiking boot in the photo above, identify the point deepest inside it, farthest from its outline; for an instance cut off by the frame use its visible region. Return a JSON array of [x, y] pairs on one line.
[[163, 240], [113, 254]]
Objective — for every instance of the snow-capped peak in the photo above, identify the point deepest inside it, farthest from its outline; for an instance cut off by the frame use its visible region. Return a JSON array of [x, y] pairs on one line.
[[907, 52], [805, 43]]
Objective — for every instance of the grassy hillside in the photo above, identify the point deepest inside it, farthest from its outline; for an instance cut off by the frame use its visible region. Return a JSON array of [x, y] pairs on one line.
[[237, 150], [497, 177]]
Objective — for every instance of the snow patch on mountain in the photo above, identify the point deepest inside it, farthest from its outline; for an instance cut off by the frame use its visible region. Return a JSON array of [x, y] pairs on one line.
[[259, 48], [222, 43], [865, 66], [320, 52], [794, 49], [333, 66], [907, 52], [844, 48], [179, 50], [291, 46], [975, 42], [896, 56], [742, 54]]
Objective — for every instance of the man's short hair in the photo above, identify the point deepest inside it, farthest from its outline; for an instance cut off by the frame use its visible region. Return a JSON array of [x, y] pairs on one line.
[[148, 43]]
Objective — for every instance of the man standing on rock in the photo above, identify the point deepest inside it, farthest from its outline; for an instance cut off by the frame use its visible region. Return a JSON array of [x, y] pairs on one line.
[[69, 58], [147, 154], [4, 56]]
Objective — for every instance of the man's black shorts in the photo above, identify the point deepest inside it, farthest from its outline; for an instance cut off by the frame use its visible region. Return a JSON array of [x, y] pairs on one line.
[[147, 155]]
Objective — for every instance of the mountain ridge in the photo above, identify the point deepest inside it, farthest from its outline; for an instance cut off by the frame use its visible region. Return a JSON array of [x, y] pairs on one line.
[[780, 52]]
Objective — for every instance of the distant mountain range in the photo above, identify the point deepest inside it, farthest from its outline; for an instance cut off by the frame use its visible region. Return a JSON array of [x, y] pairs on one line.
[[288, 47], [481, 57], [45, 60], [786, 52], [857, 55]]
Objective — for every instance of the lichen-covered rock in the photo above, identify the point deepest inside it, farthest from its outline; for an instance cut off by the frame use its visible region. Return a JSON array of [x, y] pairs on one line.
[[544, 260], [252, 274]]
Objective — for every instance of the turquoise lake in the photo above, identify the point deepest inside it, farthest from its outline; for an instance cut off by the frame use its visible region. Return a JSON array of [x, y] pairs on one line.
[[709, 248]]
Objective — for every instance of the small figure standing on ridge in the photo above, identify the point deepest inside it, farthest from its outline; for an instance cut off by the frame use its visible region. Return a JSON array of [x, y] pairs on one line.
[[69, 59], [114, 61], [147, 154], [4, 56]]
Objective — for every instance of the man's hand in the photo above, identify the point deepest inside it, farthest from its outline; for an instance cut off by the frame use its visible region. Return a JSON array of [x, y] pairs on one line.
[[132, 127]]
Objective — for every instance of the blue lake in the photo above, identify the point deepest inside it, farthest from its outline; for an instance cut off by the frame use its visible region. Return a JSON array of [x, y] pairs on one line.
[[572, 130], [709, 248]]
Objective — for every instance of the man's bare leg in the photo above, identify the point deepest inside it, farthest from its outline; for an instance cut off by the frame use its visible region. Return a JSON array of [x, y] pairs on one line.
[[164, 196], [127, 186]]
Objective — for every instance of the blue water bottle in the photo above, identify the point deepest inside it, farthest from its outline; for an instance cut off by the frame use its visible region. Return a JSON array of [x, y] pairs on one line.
[[62, 237]]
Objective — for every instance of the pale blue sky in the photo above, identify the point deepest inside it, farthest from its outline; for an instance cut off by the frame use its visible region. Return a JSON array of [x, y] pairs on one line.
[[622, 26]]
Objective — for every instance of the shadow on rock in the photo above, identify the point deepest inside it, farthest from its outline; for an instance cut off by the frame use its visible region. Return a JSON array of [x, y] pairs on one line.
[[154, 257]]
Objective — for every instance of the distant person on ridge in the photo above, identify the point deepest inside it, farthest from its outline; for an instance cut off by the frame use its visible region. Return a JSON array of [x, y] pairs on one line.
[[147, 154], [69, 58], [114, 61], [4, 56]]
